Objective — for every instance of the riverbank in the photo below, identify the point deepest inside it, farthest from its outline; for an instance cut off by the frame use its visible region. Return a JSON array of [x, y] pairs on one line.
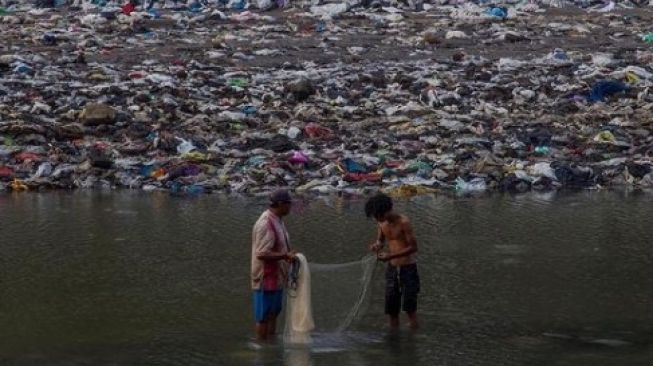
[[444, 99]]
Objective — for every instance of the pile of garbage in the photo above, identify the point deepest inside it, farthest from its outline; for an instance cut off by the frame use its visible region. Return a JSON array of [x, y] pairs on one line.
[[322, 6], [329, 98]]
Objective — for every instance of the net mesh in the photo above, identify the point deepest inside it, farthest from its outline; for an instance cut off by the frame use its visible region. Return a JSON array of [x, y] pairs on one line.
[[340, 294]]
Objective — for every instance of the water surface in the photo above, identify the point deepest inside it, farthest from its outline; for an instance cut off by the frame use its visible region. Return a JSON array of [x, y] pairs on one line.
[[124, 278]]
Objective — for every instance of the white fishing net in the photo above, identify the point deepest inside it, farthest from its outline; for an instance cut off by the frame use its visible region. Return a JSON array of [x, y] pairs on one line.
[[337, 294], [299, 311]]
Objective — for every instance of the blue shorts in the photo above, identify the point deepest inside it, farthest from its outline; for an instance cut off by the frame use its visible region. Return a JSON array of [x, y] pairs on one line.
[[267, 302]]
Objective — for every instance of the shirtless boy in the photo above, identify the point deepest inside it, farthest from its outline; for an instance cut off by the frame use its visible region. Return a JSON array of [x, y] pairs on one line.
[[402, 279]]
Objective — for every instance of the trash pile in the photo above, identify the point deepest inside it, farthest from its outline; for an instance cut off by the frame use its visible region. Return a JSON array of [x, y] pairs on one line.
[[334, 97]]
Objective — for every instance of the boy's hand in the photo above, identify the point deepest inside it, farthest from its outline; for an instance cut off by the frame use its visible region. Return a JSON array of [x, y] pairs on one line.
[[376, 246], [383, 257]]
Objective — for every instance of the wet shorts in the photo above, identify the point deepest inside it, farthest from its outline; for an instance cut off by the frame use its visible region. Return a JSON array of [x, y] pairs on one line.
[[267, 302], [401, 289]]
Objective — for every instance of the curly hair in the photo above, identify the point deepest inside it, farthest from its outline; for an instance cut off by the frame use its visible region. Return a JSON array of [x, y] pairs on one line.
[[378, 205]]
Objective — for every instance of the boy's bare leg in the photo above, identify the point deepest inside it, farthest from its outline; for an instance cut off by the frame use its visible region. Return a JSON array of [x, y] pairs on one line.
[[272, 326], [393, 321], [412, 319]]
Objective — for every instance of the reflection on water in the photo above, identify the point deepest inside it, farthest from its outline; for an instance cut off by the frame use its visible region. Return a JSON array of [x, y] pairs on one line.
[[122, 278], [298, 357]]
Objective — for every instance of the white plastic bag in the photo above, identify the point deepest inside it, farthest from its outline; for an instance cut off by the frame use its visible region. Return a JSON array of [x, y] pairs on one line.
[[43, 171], [185, 146], [542, 170], [328, 11], [474, 185]]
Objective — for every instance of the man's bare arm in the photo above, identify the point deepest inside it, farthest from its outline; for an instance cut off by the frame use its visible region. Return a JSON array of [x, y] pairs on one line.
[[274, 256]]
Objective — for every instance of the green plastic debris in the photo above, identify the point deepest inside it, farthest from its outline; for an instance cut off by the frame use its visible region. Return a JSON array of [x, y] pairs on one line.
[[238, 83], [7, 141], [542, 150], [387, 172], [419, 166], [382, 155], [648, 37]]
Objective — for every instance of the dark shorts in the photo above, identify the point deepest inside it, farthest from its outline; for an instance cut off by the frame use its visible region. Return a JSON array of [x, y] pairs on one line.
[[267, 303], [401, 289]]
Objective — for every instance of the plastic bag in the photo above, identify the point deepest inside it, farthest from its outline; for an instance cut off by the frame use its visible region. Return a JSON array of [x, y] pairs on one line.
[[43, 171], [328, 11], [474, 185], [542, 170], [298, 157], [185, 146], [605, 88]]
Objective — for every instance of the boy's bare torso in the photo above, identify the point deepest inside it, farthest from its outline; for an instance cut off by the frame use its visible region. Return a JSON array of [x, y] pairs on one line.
[[394, 232]]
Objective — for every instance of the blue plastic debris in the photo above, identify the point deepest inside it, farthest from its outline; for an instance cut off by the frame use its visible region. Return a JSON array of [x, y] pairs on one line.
[[352, 166], [605, 88], [498, 12], [22, 68], [249, 110], [195, 7]]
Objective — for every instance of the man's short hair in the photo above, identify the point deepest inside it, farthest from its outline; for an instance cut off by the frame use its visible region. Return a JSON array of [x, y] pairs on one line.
[[280, 196]]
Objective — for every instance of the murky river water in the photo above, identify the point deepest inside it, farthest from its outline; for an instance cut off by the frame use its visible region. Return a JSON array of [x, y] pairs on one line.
[[122, 278]]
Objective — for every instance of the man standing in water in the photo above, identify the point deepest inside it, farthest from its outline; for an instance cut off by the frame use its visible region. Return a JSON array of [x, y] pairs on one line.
[[402, 279], [270, 254]]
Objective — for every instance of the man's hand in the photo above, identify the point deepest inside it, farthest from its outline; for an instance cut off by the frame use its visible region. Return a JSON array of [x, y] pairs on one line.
[[383, 257], [291, 255], [376, 246]]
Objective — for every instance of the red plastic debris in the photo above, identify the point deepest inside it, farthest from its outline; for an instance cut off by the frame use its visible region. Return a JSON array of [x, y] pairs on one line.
[[26, 156], [313, 130], [6, 172], [128, 8], [362, 177]]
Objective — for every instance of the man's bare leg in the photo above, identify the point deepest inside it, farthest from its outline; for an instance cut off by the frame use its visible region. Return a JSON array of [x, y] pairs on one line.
[[262, 330], [393, 321], [412, 319]]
